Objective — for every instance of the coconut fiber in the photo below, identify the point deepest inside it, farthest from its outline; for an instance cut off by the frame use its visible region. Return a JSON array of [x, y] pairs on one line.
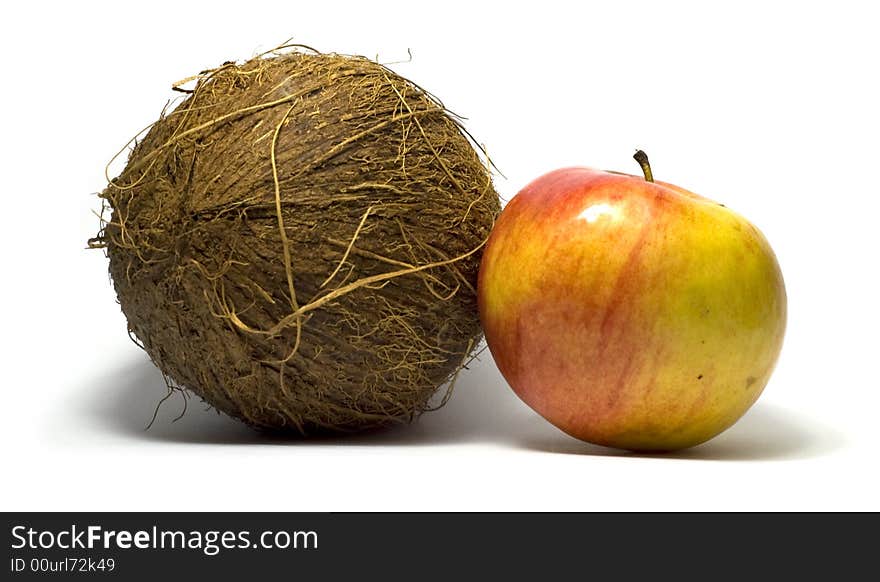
[[297, 242]]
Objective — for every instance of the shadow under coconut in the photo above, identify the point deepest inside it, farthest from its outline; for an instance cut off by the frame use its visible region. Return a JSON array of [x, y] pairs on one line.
[[482, 409], [767, 432]]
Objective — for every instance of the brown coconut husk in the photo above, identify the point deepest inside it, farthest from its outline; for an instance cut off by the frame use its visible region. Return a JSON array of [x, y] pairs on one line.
[[298, 242]]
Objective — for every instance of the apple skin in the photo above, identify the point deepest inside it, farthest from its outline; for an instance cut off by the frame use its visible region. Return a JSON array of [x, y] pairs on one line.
[[628, 313]]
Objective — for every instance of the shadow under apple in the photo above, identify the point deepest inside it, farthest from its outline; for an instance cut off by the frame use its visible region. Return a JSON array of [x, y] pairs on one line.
[[766, 432]]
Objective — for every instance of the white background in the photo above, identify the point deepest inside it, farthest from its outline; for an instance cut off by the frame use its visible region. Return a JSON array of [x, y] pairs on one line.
[[768, 107]]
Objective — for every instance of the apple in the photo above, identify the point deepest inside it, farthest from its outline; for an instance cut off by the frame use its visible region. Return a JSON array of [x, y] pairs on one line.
[[630, 313]]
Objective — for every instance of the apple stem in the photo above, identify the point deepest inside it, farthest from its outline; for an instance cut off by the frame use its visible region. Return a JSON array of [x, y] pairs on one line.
[[642, 158]]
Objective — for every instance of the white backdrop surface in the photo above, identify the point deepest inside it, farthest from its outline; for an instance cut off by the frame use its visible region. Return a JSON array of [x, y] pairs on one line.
[[770, 108]]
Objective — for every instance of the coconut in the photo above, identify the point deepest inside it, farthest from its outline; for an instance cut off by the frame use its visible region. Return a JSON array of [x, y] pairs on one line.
[[297, 243]]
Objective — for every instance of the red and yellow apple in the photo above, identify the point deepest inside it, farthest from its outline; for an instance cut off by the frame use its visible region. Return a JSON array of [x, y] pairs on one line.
[[630, 313]]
